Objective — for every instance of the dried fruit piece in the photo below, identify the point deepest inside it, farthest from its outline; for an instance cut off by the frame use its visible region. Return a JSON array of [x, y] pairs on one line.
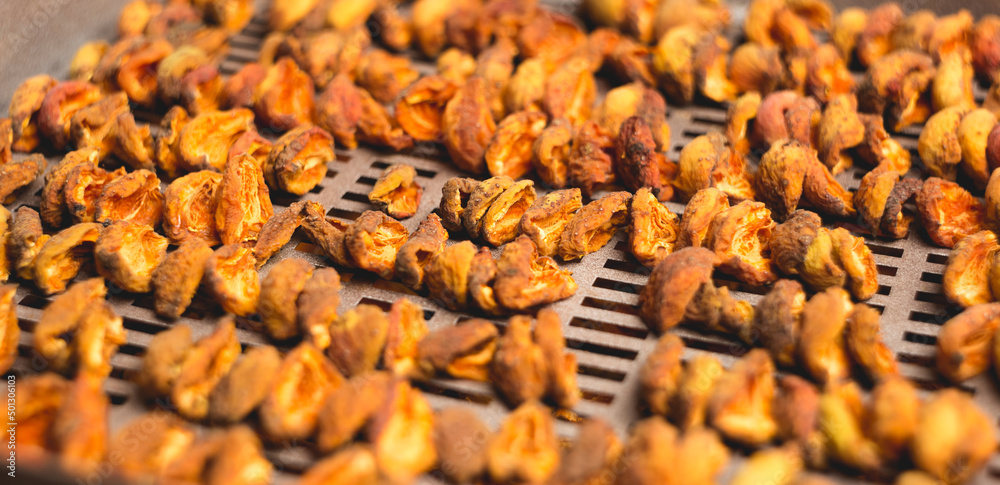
[[562, 367], [594, 225], [966, 279], [25, 105], [740, 238], [973, 133], [357, 338], [127, 253], [162, 361], [778, 318], [149, 443], [939, 146], [353, 464], [84, 184], [133, 197], [384, 75], [878, 148], [653, 229], [953, 438], [95, 126], [297, 163], [519, 369], [10, 332], [590, 163], [396, 193], [660, 374], [455, 195], [37, 400], [952, 84], [866, 346], [464, 351], [231, 275], [189, 205], [510, 151], [53, 204], [202, 142], [339, 110], [414, 256], [16, 175], [482, 275], [821, 343], [79, 430], [420, 107], [304, 380], [525, 448], [134, 144], [740, 405], [405, 330], [963, 344], [708, 161], [480, 199], [468, 125], [284, 98], [460, 439], [698, 215], [177, 277], [401, 432], [79, 332], [317, 305], [279, 291], [839, 130], [61, 257], [672, 286], [499, 224], [856, 258], [61, 101], [278, 230], [949, 212], [136, 74], [545, 221], [373, 241], [201, 369], [893, 87], [525, 280], [24, 242], [167, 152], [246, 386], [375, 125], [244, 203]]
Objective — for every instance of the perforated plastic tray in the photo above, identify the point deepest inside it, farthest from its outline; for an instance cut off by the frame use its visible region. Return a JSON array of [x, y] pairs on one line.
[[600, 321]]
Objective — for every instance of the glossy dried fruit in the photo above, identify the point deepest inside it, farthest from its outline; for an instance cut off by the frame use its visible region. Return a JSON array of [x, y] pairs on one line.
[[510, 152], [525, 448], [304, 380], [672, 286], [279, 291], [54, 114], [201, 369], [189, 205], [297, 163], [468, 125], [178, 276], [964, 342], [894, 85], [61, 257], [203, 141], [401, 433], [133, 197], [25, 105], [284, 98], [420, 107], [740, 236], [127, 253], [463, 351], [953, 438], [948, 212], [420, 248], [357, 338], [396, 193], [231, 276], [821, 344], [244, 202], [594, 225], [741, 401]]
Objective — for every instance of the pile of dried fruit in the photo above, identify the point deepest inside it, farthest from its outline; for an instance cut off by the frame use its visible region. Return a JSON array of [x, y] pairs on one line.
[[514, 95]]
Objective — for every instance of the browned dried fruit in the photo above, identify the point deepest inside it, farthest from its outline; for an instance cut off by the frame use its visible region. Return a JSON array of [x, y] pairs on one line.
[[304, 380], [420, 107], [964, 342], [875, 41], [636, 160], [828, 75], [373, 241], [757, 69], [244, 203], [455, 195], [396, 192], [284, 98], [519, 369], [985, 44], [189, 205], [61, 257], [339, 110], [95, 126], [839, 130], [231, 276], [865, 345], [25, 106], [241, 87], [510, 152], [278, 230], [790, 171], [545, 221], [357, 338], [15, 175], [133, 197], [245, 386], [56, 110], [693, 389], [375, 126], [594, 225], [79, 332], [201, 369], [420, 248], [468, 125], [162, 361], [297, 163], [482, 275], [661, 373], [233, 456], [880, 149], [464, 351], [698, 215], [176, 279], [821, 342], [953, 438], [856, 258], [741, 401], [127, 253], [480, 200], [653, 229], [635, 99], [778, 318], [894, 85], [590, 163], [570, 92], [134, 144], [672, 285], [499, 222], [525, 448], [279, 291], [167, 152], [401, 433], [740, 238], [939, 148], [203, 142], [461, 439], [948, 212], [708, 161], [966, 279], [673, 61]]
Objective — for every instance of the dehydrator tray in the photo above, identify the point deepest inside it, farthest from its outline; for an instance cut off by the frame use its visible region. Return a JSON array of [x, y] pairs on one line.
[[600, 321]]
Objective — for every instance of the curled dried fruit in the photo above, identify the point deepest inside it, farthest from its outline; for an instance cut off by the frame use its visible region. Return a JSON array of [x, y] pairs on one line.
[[939, 146], [25, 106], [985, 44], [244, 203], [284, 98], [690, 399], [500, 222], [637, 162], [133, 197], [231, 275], [953, 438], [973, 133], [455, 196], [189, 204], [828, 75], [304, 380], [480, 200], [510, 151], [317, 306], [401, 433], [545, 221], [57, 108], [894, 85], [463, 351], [245, 386], [594, 225], [297, 163], [740, 238], [357, 338], [396, 193], [167, 152], [966, 280], [468, 125], [405, 330], [133, 143], [373, 241], [660, 374], [420, 248], [420, 107], [741, 401], [866, 346], [525, 448], [708, 161], [136, 74], [83, 183], [698, 215], [61, 257], [821, 344], [949, 212], [24, 242], [78, 331], [964, 342], [839, 130], [279, 291], [349, 407], [201, 369], [570, 92], [482, 275], [176, 279], [519, 369], [672, 286], [376, 126], [384, 75], [203, 142], [339, 110], [653, 229], [590, 163], [16, 175], [95, 126], [778, 319], [127, 253], [771, 125], [162, 361]]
